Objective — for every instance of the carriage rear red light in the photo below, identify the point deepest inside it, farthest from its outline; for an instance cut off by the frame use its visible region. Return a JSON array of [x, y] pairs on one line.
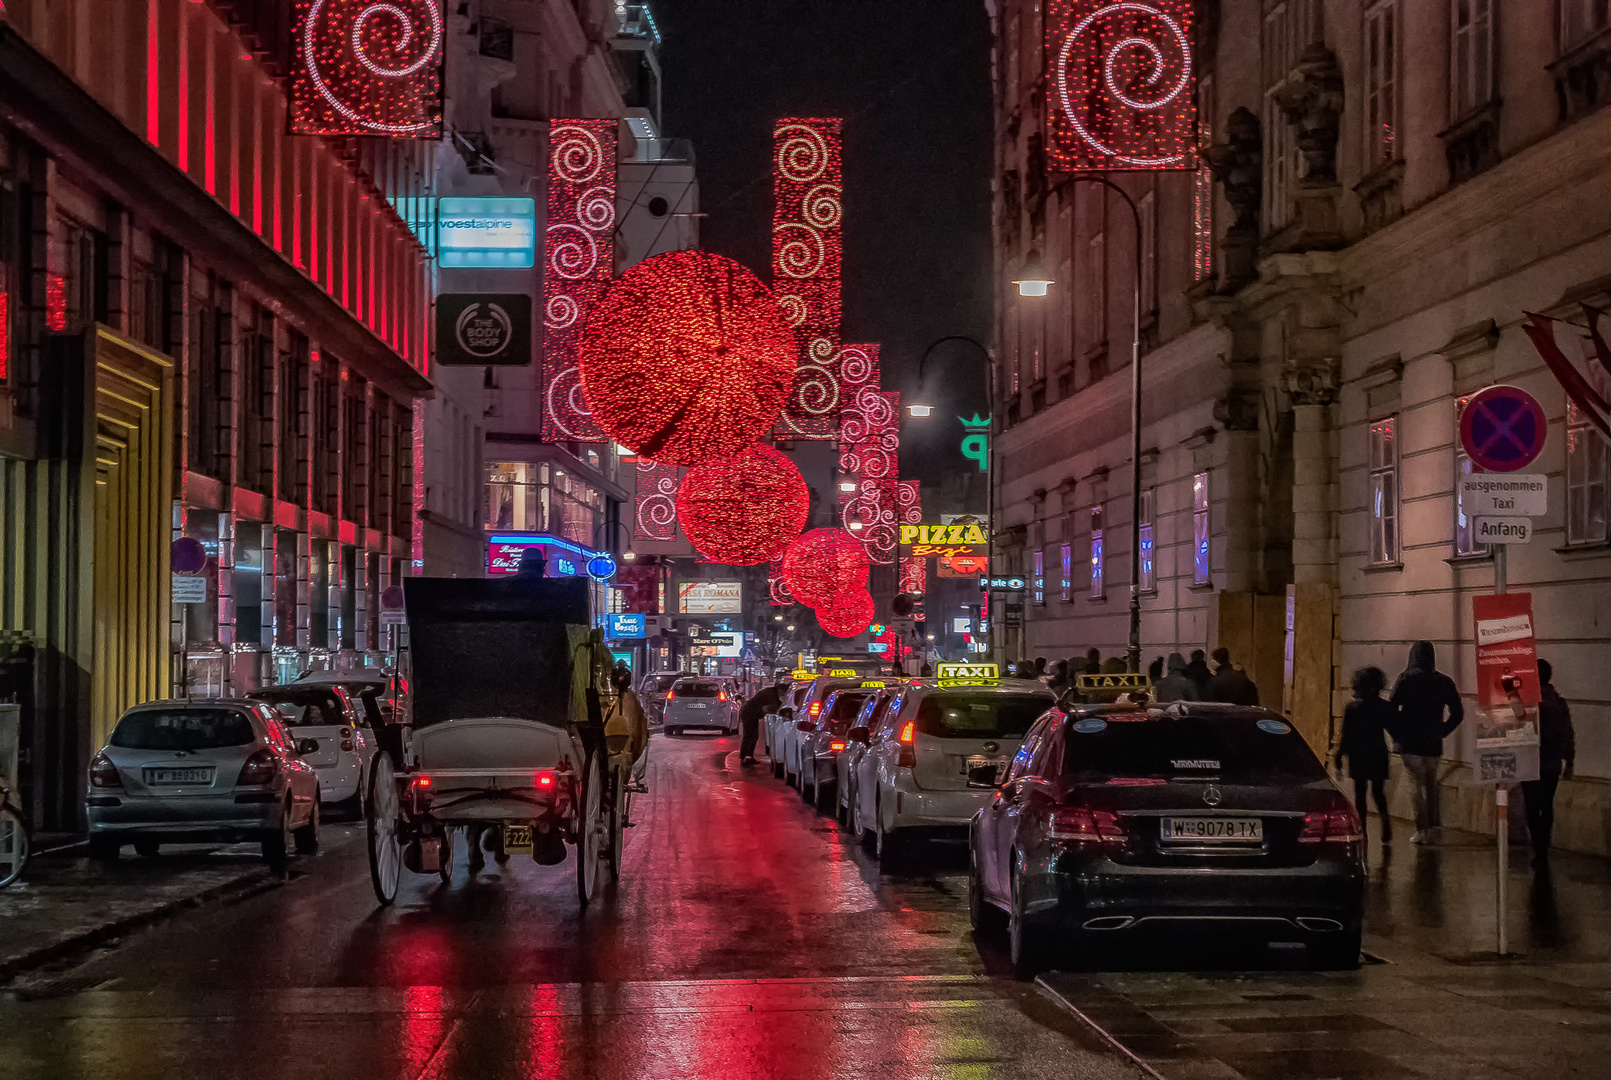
[[545, 780], [422, 783]]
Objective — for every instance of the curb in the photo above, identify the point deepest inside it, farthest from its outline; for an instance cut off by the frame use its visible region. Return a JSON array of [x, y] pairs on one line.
[[1074, 1011], [239, 888]]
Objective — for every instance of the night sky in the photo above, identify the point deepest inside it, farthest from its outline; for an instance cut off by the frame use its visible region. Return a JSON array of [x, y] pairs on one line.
[[912, 81]]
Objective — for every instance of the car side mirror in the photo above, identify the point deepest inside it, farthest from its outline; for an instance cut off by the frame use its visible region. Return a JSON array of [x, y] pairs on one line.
[[304, 747], [805, 725], [858, 734]]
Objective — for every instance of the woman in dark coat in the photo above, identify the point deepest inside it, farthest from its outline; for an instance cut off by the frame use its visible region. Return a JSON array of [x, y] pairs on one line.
[[1364, 743]]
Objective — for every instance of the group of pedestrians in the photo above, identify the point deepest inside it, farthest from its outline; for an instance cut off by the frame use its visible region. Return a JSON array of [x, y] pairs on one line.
[[1424, 709]]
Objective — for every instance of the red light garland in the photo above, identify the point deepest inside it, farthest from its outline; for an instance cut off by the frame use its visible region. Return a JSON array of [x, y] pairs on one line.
[[822, 564], [578, 264], [849, 615], [367, 67], [655, 506], [686, 358], [807, 257], [1122, 84], [745, 509]]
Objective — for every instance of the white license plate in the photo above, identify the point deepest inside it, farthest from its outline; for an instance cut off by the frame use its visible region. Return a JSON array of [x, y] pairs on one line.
[[517, 839], [697, 705], [984, 772], [178, 776], [1213, 830]]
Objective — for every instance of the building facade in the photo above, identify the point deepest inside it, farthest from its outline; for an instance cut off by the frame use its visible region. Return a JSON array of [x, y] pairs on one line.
[[209, 329], [1387, 186]]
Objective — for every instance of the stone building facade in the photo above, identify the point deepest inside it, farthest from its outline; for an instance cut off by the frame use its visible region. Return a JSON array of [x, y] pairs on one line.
[[1388, 186]]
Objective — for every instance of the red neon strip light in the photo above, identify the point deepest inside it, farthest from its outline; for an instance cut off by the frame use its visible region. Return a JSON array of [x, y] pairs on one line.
[[153, 91], [56, 303], [5, 323], [182, 149], [209, 152]]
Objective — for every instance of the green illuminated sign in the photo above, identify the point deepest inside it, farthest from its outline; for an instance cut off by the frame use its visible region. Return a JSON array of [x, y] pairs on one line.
[[976, 443]]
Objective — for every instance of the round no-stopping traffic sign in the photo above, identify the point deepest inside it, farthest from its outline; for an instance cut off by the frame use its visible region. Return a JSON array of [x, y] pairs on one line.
[[1503, 428]]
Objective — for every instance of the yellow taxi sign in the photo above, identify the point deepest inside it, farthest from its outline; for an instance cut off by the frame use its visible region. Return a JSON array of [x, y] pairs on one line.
[[873, 684], [801, 675], [1118, 680], [968, 671], [841, 673]]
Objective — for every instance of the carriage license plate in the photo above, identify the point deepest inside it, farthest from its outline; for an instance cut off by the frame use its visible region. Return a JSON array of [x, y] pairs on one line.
[[984, 772], [1213, 830], [178, 776], [517, 839]]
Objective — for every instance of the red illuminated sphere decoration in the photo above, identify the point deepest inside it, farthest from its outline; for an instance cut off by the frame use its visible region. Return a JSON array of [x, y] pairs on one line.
[[687, 358], [849, 614], [824, 563], [745, 509]]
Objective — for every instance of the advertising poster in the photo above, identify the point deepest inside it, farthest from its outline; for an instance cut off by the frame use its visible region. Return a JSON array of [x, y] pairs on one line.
[[710, 598], [1507, 689]]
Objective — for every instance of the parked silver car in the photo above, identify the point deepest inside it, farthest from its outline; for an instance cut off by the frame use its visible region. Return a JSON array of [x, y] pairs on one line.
[[183, 772], [857, 739], [652, 694], [820, 749], [700, 703]]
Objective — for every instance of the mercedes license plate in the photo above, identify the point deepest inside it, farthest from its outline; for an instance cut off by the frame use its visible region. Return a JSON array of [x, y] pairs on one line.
[[984, 772], [696, 705], [517, 839], [178, 776], [1213, 830]]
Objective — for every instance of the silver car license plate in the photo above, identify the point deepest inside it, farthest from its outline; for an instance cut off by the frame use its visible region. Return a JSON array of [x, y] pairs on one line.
[[155, 777], [984, 772], [1213, 830], [697, 705]]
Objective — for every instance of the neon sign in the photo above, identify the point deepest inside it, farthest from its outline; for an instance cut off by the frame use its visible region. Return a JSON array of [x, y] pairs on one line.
[[976, 443]]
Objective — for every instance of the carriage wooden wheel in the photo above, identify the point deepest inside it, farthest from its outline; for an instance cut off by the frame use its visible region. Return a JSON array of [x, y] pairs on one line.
[[382, 816]]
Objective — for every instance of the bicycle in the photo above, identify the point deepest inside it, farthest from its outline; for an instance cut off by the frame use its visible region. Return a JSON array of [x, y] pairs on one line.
[[14, 840]]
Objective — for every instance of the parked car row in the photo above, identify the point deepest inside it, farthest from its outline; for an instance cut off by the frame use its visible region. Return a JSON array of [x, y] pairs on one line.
[[1087, 825], [262, 769]]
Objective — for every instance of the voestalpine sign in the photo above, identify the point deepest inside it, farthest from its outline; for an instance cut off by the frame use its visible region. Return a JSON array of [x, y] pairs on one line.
[[484, 330], [487, 233]]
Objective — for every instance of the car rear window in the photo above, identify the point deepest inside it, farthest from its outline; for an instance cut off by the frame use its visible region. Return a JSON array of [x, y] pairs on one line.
[[303, 710], [183, 729], [1252, 748], [980, 716], [695, 689], [846, 707]]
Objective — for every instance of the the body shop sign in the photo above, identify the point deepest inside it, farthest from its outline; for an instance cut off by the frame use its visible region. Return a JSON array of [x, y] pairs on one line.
[[710, 598]]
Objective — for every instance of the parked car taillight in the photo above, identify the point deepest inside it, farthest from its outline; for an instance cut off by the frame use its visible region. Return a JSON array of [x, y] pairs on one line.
[[103, 774], [721, 695], [261, 768], [1075, 824], [837, 745], [908, 758], [671, 695], [1340, 826], [815, 710]]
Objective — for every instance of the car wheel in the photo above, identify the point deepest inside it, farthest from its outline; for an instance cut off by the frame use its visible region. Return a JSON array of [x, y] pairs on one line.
[[1337, 954], [777, 766], [1027, 943], [147, 849], [859, 826], [808, 782], [824, 799], [886, 845], [983, 916], [277, 844], [104, 848], [444, 862], [307, 837]]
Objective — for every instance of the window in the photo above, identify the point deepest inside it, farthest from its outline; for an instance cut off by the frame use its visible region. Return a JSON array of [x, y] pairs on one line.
[[1381, 84], [1038, 577], [1149, 567], [1147, 206], [1068, 573], [1471, 59], [1384, 538], [1289, 26], [1200, 564], [1202, 188], [1586, 481], [1579, 19], [1098, 587]]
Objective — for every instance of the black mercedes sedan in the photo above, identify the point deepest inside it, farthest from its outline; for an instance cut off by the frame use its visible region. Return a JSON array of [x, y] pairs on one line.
[[1218, 821]]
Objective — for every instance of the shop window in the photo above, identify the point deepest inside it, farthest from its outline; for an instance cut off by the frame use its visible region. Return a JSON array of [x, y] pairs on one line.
[[1384, 492]]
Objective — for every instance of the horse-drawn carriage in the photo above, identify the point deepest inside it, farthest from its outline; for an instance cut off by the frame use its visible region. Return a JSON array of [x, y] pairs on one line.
[[504, 747]]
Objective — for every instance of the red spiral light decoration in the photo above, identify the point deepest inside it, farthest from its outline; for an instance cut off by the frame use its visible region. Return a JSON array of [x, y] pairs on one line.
[[367, 67], [824, 563], [849, 614], [687, 358], [745, 509]]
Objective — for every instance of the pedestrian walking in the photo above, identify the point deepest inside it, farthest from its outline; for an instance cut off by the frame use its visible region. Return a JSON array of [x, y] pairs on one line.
[[1040, 667], [1230, 683], [1197, 671], [1155, 670], [1093, 661], [1557, 756], [1174, 686], [1364, 743], [1427, 709], [769, 700]]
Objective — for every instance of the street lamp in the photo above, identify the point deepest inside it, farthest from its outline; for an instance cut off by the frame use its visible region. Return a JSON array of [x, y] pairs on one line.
[[1032, 281], [613, 524]]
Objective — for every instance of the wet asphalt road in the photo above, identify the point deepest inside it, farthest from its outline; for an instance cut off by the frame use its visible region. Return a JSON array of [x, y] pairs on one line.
[[749, 938]]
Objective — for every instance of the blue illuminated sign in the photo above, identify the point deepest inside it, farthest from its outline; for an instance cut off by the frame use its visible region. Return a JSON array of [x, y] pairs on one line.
[[486, 233], [624, 627], [601, 567]]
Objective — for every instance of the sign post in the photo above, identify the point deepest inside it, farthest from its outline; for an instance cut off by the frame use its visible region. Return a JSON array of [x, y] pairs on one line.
[[1503, 429]]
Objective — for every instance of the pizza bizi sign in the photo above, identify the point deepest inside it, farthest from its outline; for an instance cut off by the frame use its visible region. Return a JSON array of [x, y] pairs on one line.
[[943, 535]]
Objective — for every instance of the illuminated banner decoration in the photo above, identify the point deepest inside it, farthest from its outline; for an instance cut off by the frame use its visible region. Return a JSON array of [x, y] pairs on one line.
[[367, 67], [1121, 78], [777, 589], [807, 250], [872, 505], [578, 262], [914, 575], [655, 505], [870, 435]]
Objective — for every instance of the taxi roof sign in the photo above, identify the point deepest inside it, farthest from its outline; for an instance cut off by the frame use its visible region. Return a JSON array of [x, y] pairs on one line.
[[842, 673], [1118, 680], [960, 671], [873, 684], [801, 675]]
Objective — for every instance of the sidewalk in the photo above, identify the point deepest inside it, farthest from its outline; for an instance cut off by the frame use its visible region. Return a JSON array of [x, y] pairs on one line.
[[1435, 1001], [66, 903]]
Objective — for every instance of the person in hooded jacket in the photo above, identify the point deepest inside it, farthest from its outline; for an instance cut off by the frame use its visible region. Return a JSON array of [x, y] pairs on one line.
[[1364, 743], [1197, 671], [1175, 686], [1557, 755], [1427, 709], [1230, 683]]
